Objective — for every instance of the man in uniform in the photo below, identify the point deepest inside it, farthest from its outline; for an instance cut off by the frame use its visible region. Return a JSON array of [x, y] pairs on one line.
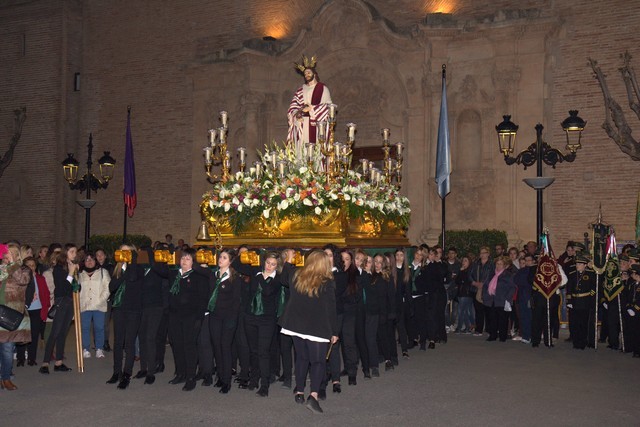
[[582, 292], [633, 310]]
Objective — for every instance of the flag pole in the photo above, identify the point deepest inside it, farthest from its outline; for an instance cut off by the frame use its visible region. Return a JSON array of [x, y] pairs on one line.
[[443, 155], [621, 322]]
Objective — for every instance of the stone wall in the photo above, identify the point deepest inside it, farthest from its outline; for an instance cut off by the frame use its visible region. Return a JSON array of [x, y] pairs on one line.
[[178, 63]]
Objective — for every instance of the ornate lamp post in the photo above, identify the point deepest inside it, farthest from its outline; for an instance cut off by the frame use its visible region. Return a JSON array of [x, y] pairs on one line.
[[89, 182], [540, 152]]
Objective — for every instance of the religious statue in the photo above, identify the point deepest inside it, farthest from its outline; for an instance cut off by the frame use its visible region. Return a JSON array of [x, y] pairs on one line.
[[309, 106]]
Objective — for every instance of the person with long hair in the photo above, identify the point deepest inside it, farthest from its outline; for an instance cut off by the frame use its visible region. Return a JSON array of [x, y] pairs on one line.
[[14, 278], [381, 280], [401, 276], [126, 290], [260, 322], [465, 292], [310, 318], [351, 301], [64, 277], [38, 294], [224, 309], [421, 258], [93, 304]]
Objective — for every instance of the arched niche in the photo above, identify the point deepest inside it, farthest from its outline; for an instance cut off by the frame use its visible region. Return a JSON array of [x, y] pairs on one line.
[[468, 141]]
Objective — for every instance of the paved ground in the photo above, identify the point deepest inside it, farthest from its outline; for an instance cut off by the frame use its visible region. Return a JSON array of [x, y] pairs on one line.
[[466, 382]]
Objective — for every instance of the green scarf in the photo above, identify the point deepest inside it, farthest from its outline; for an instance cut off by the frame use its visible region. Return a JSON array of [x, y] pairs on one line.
[[282, 301], [414, 275], [175, 288], [117, 299], [257, 306], [214, 295]]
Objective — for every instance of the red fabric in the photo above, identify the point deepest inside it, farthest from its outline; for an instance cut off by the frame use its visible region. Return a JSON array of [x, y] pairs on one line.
[[547, 278], [44, 295], [316, 98]]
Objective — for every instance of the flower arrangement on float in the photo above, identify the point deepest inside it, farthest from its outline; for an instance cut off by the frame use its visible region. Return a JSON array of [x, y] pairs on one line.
[[279, 185]]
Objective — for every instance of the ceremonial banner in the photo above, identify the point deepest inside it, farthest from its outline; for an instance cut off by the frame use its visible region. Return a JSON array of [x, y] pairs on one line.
[[130, 196], [599, 246], [612, 283], [443, 150], [548, 277]]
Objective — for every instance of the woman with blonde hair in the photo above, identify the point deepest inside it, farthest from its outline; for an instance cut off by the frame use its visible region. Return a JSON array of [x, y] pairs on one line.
[[310, 319]]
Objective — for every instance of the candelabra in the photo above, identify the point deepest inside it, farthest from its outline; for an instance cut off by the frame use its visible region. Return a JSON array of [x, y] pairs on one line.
[[217, 153]]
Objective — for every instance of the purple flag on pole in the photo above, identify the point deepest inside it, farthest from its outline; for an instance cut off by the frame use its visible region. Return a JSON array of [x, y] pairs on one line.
[[130, 197]]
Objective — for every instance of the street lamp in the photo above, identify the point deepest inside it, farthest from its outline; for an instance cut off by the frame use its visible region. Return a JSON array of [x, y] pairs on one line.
[[540, 152], [89, 182]]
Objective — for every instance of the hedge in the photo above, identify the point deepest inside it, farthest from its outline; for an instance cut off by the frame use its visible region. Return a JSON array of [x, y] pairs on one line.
[[470, 241], [111, 242]]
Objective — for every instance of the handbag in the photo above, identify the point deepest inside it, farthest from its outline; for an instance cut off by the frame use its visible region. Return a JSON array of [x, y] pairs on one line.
[[10, 319], [52, 311]]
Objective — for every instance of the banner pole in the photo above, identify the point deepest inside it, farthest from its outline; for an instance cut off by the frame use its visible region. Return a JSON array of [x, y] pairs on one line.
[[621, 324], [595, 332], [548, 325]]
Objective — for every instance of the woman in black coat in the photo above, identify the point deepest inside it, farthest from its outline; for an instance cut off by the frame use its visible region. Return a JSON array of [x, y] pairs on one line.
[[224, 308], [310, 318]]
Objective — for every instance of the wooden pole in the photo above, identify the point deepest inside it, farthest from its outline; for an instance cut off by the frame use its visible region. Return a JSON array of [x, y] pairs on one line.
[[78, 330]]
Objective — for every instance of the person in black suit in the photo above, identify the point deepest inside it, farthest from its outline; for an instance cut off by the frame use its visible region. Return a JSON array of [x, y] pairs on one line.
[[351, 296], [260, 322], [126, 291], [224, 308], [310, 318], [189, 295]]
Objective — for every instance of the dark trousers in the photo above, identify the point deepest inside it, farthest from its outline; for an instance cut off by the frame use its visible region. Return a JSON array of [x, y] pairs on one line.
[[497, 322], [634, 333], [539, 323], [59, 329], [614, 323], [525, 319], [259, 330], [107, 323], [479, 315], [361, 340], [403, 320], [149, 324], [222, 331], [161, 337], [385, 331], [349, 343], [205, 348], [420, 318], [436, 304], [286, 353], [241, 346], [310, 359], [580, 319], [370, 336], [334, 361], [125, 331], [32, 348], [603, 316], [183, 335]]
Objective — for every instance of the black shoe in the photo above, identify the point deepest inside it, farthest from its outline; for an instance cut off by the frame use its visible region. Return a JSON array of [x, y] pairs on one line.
[[344, 373], [61, 368], [114, 378], [263, 391], [32, 363], [243, 384], [388, 365], [313, 405], [20, 363], [272, 379], [150, 379], [218, 383], [432, 345], [44, 370], [199, 376], [140, 374], [225, 388], [159, 368], [252, 386], [375, 373], [322, 394], [491, 339], [189, 385], [405, 354], [124, 381], [337, 388], [299, 398], [423, 346], [178, 379], [535, 345], [286, 383], [233, 372], [207, 381], [352, 381], [106, 347], [367, 375], [280, 378]]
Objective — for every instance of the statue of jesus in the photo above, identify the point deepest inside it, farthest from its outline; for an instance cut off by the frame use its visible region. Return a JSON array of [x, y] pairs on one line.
[[309, 106]]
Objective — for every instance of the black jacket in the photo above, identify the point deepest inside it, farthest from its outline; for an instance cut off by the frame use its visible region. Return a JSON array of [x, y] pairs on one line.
[[315, 316]]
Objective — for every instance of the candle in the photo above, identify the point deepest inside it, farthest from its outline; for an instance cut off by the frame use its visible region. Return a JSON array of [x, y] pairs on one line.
[[310, 149], [222, 134], [207, 155], [281, 165], [385, 134], [213, 134], [322, 130], [273, 159], [252, 171], [372, 172], [242, 152], [378, 177], [365, 166], [399, 147], [258, 167], [223, 118], [351, 127], [332, 111]]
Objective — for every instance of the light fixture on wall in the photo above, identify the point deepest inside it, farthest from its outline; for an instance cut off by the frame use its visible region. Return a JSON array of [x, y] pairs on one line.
[[76, 82], [540, 152]]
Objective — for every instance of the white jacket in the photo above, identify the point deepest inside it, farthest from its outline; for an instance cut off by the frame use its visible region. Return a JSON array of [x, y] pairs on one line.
[[95, 290]]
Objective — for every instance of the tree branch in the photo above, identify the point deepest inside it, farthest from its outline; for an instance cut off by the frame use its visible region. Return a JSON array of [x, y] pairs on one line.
[[18, 122]]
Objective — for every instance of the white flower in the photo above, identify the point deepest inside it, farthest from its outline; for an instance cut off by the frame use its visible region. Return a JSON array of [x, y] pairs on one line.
[[283, 205], [239, 175], [247, 201], [303, 170], [317, 210], [255, 202], [307, 202], [334, 196], [223, 193], [296, 197], [347, 197], [240, 208], [266, 212], [235, 201], [211, 204], [227, 206]]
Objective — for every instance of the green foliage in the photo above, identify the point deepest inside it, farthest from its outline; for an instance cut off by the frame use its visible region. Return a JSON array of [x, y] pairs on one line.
[[111, 242], [467, 241]]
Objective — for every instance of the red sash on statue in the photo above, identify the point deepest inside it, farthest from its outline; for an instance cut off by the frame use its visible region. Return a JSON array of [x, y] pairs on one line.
[[316, 98]]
